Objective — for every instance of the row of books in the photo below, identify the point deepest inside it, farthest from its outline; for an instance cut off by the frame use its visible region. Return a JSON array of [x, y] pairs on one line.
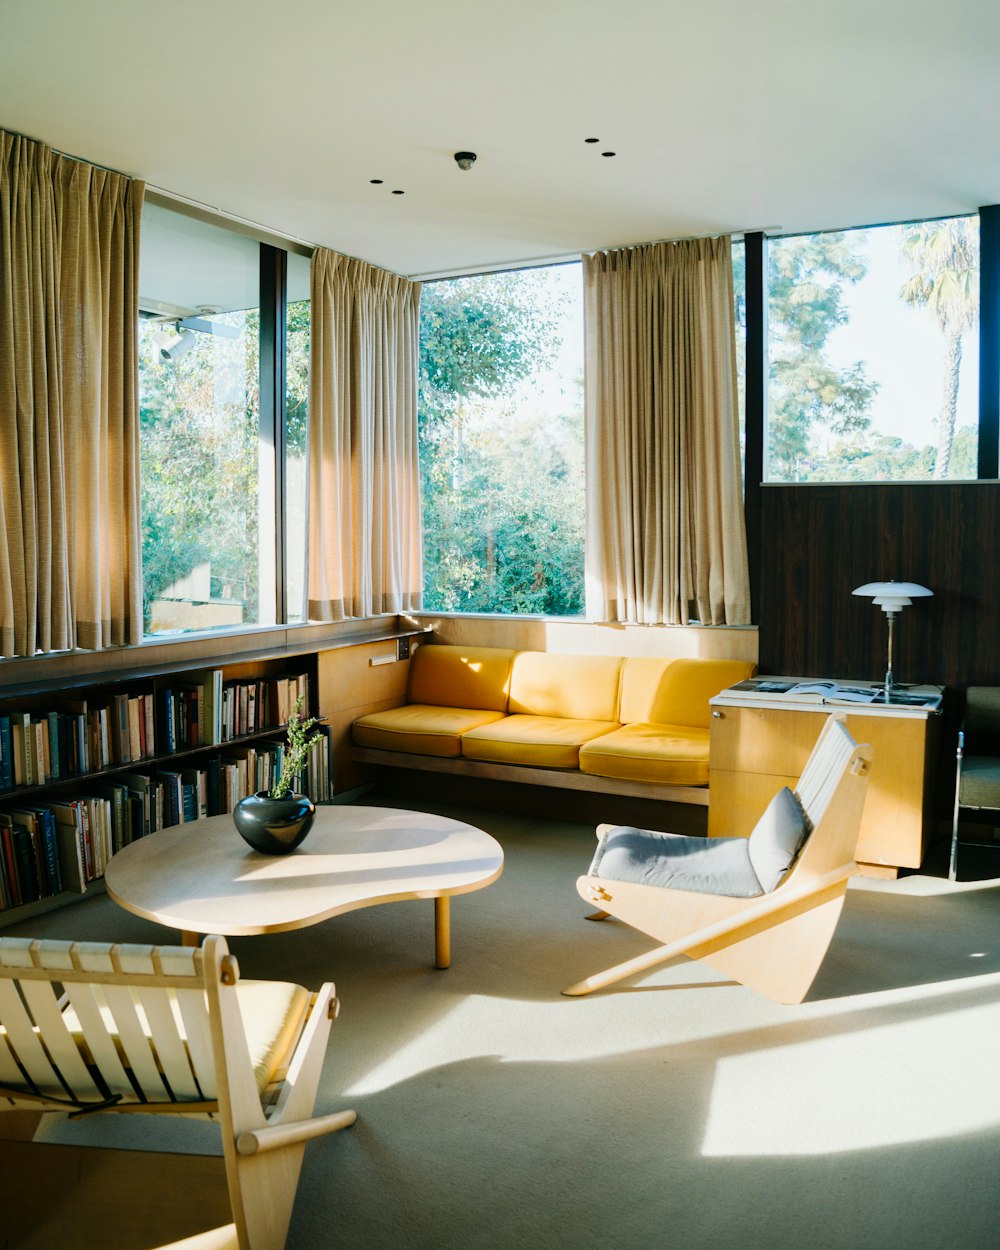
[[74, 738], [63, 844]]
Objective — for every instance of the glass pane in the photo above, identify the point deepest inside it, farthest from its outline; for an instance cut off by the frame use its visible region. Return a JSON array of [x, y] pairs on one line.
[[199, 426], [296, 443], [501, 442], [873, 361]]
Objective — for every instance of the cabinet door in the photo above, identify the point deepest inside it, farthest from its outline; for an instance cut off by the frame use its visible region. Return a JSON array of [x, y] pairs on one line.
[[755, 751]]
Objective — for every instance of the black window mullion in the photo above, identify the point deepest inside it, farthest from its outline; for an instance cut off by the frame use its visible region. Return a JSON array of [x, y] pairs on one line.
[[989, 341], [755, 244], [273, 294]]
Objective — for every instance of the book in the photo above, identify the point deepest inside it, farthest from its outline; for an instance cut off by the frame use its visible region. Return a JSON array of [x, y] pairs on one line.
[[24, 774], [142, 798], [70, 844], [25, 864], [9, 866], [135, 731], [6, 754]]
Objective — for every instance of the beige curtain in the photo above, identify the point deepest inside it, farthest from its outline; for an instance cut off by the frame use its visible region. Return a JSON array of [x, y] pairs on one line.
[[70, 571], [666, 541], [364, 483]]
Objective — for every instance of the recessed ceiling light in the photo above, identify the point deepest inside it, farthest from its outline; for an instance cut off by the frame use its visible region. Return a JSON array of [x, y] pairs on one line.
[[591, 140], [399, 192], [376, 182], [608, 153]]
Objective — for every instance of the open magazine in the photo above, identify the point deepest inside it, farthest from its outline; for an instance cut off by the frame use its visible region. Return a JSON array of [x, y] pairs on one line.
[[808, 691]]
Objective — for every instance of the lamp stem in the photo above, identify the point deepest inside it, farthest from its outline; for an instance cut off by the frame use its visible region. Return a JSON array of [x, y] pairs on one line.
[[888, 671]]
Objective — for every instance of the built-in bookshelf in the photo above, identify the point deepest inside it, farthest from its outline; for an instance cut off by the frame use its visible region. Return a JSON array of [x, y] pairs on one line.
[[91, 761]]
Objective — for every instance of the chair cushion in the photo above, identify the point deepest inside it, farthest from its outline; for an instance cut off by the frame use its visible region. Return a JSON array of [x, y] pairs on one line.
[[674, 755], [980, 784], [675, 692], [776, 838], [581, 687], [538, 741], [274, 1013], [675, 862], [472, 677], [420, 728]]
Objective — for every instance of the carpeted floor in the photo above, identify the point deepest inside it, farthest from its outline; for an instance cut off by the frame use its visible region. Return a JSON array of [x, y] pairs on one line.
[[682, 1111]]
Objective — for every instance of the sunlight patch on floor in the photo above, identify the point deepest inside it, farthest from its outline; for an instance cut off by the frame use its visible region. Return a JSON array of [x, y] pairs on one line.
[[916, 1080]]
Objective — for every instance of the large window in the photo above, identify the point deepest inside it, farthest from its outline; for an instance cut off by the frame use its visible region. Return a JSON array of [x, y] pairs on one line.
[[501, 442], [211, 479], [873, 365]]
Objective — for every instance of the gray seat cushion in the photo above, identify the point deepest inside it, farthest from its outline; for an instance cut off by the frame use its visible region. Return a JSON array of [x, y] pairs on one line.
[[776, 838], [980, 784], [675, 862]]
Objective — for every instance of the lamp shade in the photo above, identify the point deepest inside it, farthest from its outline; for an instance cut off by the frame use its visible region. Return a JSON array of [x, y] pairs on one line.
[[891, 596]]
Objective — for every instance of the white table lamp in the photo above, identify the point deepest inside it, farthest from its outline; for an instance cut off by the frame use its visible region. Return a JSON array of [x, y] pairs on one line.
[[892, 597]]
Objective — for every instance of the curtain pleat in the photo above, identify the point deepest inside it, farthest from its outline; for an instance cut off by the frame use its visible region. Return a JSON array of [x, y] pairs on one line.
[[70, 573], [666, 541], [364, 484]]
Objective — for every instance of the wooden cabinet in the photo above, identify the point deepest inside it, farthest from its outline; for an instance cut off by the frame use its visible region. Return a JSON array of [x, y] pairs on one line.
[[757, 747]]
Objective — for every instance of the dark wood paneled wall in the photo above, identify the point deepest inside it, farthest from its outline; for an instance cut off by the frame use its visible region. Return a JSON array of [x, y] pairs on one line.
[[819, 542]]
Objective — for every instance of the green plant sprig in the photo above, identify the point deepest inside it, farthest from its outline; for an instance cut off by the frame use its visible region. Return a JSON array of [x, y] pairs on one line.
[[299, 746]]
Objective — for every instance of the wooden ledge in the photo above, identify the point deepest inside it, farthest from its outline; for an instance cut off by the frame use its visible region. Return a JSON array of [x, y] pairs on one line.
[[560, 778]]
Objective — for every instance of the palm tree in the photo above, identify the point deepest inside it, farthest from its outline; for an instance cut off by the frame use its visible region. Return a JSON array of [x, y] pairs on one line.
[[943, 257]]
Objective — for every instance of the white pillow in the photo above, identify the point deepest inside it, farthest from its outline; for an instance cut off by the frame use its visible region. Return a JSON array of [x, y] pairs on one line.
[[776, 838]]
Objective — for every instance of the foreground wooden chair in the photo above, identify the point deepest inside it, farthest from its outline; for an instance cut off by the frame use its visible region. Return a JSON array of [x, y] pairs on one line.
[[773, 936], [171, 1029]]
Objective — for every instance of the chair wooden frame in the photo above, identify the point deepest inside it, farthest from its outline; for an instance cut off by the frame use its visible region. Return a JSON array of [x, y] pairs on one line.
[[774, 943], [162, 1032]]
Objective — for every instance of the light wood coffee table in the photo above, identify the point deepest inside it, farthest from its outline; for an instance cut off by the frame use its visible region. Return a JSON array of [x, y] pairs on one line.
[[202, 877]]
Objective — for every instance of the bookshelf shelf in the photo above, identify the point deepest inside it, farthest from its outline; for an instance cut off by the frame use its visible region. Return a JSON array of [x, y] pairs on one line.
[[124, 797]]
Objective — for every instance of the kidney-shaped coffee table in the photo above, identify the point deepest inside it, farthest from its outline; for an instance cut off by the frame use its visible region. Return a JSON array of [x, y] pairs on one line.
[[202, 877]]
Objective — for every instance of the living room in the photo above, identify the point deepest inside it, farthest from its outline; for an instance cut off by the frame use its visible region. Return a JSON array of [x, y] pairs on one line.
[[263, 158]]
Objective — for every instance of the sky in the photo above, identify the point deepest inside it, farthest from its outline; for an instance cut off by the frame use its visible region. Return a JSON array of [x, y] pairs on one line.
[[902, 347]]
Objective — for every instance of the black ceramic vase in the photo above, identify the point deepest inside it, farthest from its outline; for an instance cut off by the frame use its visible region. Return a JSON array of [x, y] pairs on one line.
[[274, 826]]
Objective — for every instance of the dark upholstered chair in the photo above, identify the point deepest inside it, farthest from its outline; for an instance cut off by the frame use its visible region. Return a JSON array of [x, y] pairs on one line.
[[977, 779]]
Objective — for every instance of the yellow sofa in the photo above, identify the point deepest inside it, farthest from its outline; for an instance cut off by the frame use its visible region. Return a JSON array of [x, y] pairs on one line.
[[632, 725]]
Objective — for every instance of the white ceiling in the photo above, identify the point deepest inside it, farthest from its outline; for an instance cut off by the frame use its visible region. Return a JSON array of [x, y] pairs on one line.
[[725, 116]]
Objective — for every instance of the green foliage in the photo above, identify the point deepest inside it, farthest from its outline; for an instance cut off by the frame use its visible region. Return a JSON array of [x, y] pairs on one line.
[[943, 257], [806, 289], [503, 505], [296, 752], [198, 431]]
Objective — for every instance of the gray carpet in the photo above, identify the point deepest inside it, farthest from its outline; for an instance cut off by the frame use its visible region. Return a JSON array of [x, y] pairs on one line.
[[678, 1111]]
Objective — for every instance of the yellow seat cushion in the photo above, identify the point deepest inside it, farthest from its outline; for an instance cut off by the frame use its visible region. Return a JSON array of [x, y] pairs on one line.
[[675, 692], [472, 677], [274, 1014], [538, 741], [581, 687], [420, 728], [674, 755]]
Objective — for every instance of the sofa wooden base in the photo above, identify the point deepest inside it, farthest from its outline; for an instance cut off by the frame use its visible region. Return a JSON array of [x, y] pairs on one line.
[[566, 779]]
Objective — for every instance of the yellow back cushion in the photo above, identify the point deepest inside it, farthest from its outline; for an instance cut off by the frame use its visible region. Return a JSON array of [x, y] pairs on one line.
[[471, 677], [675, 692], [583, 687]]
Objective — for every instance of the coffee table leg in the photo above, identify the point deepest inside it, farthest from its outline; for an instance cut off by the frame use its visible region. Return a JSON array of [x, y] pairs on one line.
[[190, 939], [442, 932]]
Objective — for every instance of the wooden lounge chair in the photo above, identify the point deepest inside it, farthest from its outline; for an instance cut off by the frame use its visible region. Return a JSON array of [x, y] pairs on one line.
[[172, 1029], [759, 910]]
